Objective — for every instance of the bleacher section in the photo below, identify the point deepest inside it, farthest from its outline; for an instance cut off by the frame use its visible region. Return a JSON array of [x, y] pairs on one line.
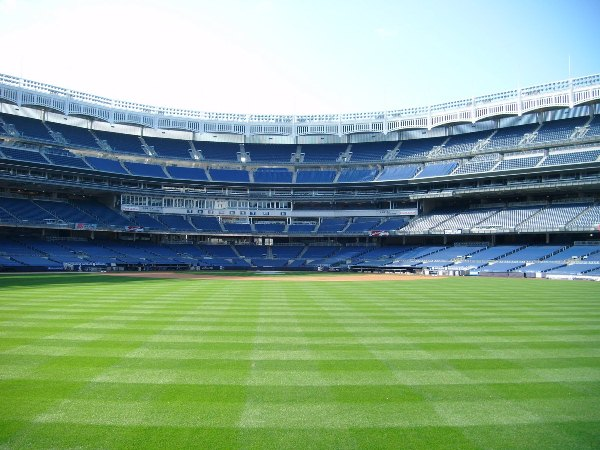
[[206, 224], [230, 175], [66, 160], [122, 143], [333, 225], [510, 137], [396, 173], [26, 127], [418, 148], [267, 153], [356, 175], [437, 169], [76, 136], [218, 151], [38, 254], [301, 228], [463, 143], [519, 163], [371, 151], [106, 165], [187, 173], [272, 175], [557, 159], [315, 176], [145, 170], [322, 153], [23, 155], [559, 129], [169, 148]]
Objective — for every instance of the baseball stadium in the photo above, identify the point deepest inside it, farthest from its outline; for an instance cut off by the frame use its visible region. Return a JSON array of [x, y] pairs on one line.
[[424, 277]]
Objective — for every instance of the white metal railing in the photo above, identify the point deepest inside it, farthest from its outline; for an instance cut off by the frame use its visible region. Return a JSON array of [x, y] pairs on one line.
[[564, 93]]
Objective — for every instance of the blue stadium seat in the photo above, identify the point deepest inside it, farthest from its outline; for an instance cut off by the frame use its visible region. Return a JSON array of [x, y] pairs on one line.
[[169, 148], [351, 175], [106, 165], [394, 173], [187, 173], [146, 170], [270, 153], [272, 175], [121, 143], [315, 176], [229, 175]]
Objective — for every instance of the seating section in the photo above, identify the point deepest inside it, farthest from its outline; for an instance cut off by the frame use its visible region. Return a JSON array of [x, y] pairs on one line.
[[276, 153], [237, 227], [371, 151], [67, 160], [23, 155], [558, 159], [437, 169], [149, 223], [202, 223], [395, 173], [230, 175], [218, 151], [392, 224], [509, 137], [26, 211], [187, 173], [176, 223], [77, 136], [533, 253], [145, 170], [507, 218], [476, 166], [272, 175], [322, 153], [586, 221], [519, 163], [578, 252], [26, 127], [424, 223], [356, 175], [106, 165], [463, 143], [418, 148], [301, 228], [122, 143], [315, 176], [103, 214], [464, 220], [362, 225], [559, 130], [333, 225], [38, 254], [65, 212], [169, 148], [553, 217], [269, 227]]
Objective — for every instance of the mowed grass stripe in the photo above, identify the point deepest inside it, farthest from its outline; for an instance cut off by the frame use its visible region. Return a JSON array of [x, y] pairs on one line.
[[233, 362]]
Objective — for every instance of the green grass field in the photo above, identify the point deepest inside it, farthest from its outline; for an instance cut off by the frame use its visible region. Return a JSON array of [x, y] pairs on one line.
[[92, 361]]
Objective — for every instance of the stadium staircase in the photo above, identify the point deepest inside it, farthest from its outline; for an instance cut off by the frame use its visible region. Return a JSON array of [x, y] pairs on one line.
[[196, 154], [56, 136], [148, 149], [101, 143]]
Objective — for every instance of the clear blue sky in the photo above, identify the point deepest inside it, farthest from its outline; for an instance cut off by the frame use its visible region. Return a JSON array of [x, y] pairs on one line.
[[291, 56]]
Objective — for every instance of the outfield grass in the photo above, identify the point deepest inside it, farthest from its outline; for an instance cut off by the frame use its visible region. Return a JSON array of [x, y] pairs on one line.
[[92, 361]]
